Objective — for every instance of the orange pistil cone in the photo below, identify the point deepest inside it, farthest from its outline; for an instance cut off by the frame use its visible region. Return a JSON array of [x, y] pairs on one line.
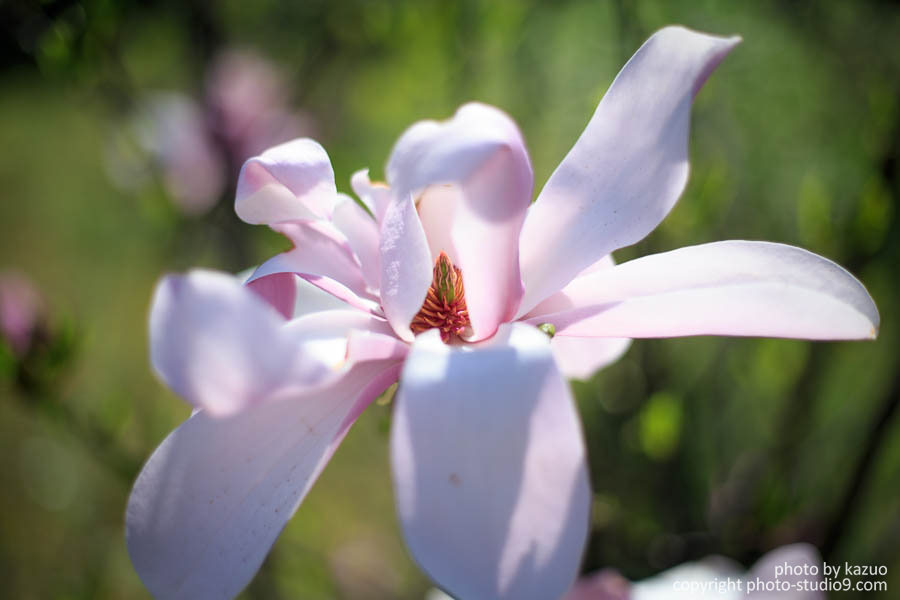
[[445, 305]]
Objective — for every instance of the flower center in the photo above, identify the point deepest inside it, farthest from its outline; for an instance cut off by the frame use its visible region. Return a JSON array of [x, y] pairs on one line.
[[445, 305]]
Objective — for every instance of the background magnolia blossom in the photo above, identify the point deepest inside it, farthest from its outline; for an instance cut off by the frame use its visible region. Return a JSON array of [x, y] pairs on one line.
[[194, 145]]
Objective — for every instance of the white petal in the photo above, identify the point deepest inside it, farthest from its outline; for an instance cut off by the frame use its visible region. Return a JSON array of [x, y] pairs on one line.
[[374, 195], [291, 181], [362, 234], [406, 266], [581, 357], [489, 466], [626, 170], [723, 288], [323, 256], [219, 346], [481, 153], [215, 495]]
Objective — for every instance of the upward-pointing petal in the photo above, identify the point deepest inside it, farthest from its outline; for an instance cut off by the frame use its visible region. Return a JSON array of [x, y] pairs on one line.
[[405, 264], [375, 196], [361, 231], [626, 170], [481, 154]]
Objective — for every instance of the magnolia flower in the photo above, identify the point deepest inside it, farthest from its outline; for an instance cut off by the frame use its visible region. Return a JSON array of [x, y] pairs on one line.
[[787, 573], [451, 281]]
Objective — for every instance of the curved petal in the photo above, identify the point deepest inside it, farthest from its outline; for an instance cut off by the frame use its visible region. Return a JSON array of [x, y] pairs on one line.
[[173, 129], [214, 496], [723, 288], [560, 300], [604, 263], [436, 207], [489, 466], [581, 357], [406, 266], [322, 256], [362, 235], [219, 346], [328, 336], [627, 169], [279, 290], [481, 150], [288, 182], [293, 296], [374, 195]]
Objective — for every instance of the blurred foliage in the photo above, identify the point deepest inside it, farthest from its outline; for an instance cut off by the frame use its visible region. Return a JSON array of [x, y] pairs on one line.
[[697, 446]]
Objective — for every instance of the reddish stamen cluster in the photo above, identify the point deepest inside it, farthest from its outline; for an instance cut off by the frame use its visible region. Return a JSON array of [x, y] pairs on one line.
[[445, 305]]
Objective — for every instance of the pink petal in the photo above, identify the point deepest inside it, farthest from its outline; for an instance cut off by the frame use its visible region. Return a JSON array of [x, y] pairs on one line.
[[581, 357], [173, 129], [22, 312], [328, 336], [218, 345], [293, 296], [222, 348], [323, 256], [361, 232], [375, 196], [215, 495], [344, 294], [437, 208], [481, 151], [489, 466], [723, 288], [279, 290], [288, 182], [561, 301], [604, 263], [627, 169], [406, 266]]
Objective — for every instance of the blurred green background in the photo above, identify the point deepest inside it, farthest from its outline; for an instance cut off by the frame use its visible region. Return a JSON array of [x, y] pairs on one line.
[[697, 446]]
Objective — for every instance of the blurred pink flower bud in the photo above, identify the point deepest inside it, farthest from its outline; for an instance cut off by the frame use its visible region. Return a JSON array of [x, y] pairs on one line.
[[172, 129], [247, 99], [21, 312]]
